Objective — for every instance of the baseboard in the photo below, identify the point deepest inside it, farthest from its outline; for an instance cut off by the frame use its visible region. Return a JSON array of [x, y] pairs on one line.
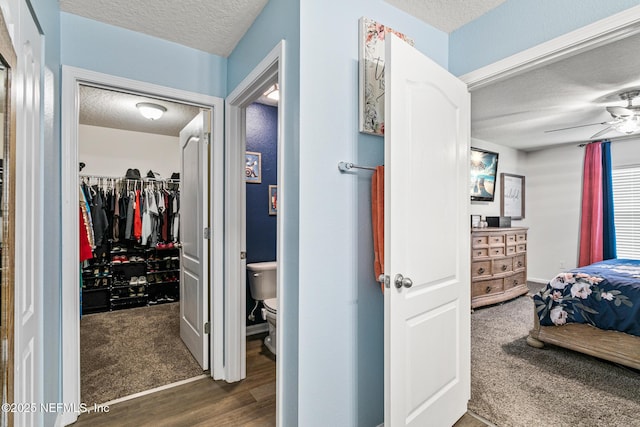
[[257, 329], [538, 281]]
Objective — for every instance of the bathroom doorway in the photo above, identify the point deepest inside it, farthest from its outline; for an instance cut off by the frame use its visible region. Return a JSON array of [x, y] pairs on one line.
[[240, 108]]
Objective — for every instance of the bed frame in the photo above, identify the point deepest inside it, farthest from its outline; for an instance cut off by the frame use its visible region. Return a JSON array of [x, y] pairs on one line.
[[614, 346]]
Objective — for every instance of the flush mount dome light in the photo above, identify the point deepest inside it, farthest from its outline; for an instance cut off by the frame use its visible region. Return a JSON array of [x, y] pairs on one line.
[[151, 111]]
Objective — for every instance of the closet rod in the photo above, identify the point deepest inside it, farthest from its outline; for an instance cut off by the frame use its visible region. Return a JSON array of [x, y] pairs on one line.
[[347, 166]]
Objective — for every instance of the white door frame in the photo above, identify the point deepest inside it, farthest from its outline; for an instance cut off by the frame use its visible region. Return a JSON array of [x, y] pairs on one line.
[[72, 78], [599, 33], [267, 72]]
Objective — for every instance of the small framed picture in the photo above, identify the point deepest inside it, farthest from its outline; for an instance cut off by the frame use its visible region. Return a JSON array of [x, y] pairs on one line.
[[273, 200], [253, 167], [475, 221]]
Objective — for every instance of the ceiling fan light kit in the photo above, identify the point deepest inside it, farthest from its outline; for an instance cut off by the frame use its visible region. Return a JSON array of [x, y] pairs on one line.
[[625, 119]]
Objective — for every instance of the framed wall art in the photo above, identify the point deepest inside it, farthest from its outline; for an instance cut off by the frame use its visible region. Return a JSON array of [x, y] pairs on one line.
[[371, 65], [512, 198], [253, 167], [273, 200]]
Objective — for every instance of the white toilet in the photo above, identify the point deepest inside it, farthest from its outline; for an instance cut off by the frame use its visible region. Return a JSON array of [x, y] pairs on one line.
[[263, 287]]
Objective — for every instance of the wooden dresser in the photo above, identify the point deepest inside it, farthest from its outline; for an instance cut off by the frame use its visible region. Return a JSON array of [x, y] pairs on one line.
[[498, 264]]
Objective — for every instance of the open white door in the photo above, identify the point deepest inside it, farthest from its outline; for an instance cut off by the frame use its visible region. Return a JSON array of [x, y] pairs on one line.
[[194, 219], [427, 308]]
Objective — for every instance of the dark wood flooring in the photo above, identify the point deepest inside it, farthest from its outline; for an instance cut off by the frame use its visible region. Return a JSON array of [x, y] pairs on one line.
[[205, 402]]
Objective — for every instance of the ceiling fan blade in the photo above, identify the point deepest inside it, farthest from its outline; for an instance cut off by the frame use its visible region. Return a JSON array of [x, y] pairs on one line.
[[575, 127], [602, 132], [620, 111]]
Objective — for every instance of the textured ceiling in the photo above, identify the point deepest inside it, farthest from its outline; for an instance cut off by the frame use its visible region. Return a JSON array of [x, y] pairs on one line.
[[446, 15], [210, 26], [117, 110], [575, 91]]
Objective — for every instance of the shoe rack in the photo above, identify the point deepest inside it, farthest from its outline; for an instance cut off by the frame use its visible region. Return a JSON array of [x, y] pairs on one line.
[[127, 276]]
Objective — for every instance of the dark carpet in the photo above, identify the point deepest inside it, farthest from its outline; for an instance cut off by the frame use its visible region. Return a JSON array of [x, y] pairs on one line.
[[514, 385], [129, 351]]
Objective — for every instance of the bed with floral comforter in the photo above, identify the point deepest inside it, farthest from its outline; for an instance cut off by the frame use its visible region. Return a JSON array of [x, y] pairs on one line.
[[605, 294]]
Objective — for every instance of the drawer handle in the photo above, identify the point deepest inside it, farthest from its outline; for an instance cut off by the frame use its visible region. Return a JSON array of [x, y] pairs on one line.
[[519, 263], [488, 289], [479, 253], [515, 282], [504, 267], [480, 270]]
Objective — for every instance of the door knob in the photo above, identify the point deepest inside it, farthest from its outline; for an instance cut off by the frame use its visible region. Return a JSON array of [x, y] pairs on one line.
[[401, 281]]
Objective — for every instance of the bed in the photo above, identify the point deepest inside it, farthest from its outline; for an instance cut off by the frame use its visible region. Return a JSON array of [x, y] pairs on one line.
[[594, 310]]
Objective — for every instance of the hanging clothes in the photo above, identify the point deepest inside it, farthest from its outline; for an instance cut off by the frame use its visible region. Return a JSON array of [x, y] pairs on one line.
[[137, 217], [85, 247], [99, 217]]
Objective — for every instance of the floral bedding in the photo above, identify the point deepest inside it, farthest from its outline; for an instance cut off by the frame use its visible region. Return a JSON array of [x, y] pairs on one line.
[[605, 294]]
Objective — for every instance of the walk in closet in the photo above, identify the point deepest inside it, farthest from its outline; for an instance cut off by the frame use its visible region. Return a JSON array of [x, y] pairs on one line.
[[130, 245]]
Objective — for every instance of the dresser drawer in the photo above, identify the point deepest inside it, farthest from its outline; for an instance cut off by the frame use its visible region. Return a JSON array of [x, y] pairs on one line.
[[521, 247], [496, 240], [496, 251], [511, 238], [519, 262], [502, 266], [480, 269], [479, 241], [486, 287], [511, 250], [515, 280], [521, 237], [480, 252]]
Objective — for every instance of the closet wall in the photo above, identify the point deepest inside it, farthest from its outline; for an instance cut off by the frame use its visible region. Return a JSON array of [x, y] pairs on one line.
[[110, 152]]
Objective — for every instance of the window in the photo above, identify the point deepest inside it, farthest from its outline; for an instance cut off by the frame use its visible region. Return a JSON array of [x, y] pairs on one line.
[[626, 209]]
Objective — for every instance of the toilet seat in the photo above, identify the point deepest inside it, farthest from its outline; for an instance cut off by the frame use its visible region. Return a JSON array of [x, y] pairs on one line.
[[271, 305]]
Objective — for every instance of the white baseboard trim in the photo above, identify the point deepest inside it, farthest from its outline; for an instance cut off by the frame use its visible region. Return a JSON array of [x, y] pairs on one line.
[[257, 329]]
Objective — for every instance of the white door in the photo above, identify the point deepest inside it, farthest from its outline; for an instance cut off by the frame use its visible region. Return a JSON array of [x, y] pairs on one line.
[[194, 218], [427, 315], [29, 255]]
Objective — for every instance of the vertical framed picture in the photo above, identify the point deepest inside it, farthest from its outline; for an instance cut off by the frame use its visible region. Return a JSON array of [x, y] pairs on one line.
[[371, 67], [512, 198], [253, 167], [273, 200]]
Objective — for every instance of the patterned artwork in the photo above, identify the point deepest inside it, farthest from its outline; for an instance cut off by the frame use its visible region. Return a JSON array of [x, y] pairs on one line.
[[372, 35]]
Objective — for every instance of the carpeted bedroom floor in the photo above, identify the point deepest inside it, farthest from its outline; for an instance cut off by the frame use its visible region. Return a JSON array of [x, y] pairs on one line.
[[515, 385], [129, 351]]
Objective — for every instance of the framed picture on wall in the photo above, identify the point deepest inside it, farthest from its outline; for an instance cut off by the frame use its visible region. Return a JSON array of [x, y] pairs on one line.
[[253, 167], [371, 65], [273, 200], [512, 198]]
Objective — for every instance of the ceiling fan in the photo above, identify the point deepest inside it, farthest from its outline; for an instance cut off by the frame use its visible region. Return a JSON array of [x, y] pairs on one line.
[[625, 119]]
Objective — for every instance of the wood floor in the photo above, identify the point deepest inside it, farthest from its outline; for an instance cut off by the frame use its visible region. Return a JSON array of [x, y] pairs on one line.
[[251, 402]]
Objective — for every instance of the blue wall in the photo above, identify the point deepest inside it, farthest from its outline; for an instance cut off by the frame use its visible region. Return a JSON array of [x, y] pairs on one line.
[[517, 25], [262, 137], [107, 49]]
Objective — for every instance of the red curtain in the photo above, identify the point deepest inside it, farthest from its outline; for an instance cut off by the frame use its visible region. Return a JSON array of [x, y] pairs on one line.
[[591, 226]]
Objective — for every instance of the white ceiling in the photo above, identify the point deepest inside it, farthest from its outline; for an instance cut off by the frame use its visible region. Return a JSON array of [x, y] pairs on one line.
[[211, 26], [446, 15], [514, 112], [117, 110]]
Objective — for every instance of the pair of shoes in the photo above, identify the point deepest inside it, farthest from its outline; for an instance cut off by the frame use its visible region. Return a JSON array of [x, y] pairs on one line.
[[119, 259], [142, 280], [134, 280], [136, 259]]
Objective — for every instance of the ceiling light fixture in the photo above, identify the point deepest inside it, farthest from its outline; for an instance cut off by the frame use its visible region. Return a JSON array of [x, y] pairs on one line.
[[628, 125], [273, 93], [151, 111]]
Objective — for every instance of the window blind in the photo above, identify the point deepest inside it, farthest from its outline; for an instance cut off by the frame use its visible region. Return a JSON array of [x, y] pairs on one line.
[[626, 210]]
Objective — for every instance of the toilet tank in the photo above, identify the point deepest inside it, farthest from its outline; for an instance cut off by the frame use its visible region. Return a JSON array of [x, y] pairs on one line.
[[262, 280]]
